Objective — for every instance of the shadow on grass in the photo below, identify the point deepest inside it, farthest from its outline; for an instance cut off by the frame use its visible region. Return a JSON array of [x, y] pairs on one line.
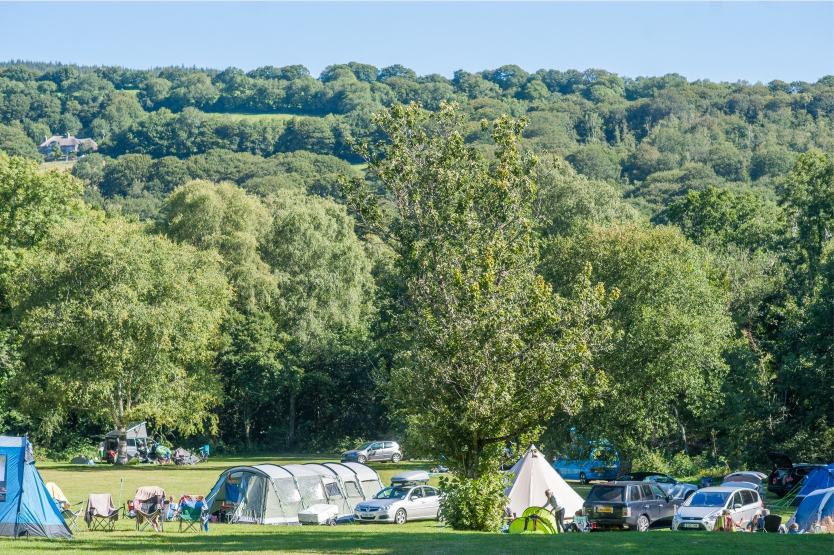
[[392, 540]]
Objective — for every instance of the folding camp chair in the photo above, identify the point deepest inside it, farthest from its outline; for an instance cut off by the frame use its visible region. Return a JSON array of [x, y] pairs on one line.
[[71, 514], [150, 507], [771, 523], [191, 513], [101, 514]]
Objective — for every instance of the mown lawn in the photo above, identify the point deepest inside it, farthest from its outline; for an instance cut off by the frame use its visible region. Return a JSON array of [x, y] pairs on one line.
[[417, 537]]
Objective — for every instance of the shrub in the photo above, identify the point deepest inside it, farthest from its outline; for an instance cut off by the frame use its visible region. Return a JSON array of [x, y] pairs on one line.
[[473, 504]]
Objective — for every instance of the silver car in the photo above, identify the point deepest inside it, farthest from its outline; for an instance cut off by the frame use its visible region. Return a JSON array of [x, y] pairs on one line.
[[705, 505], [375, 451], [399, 504]]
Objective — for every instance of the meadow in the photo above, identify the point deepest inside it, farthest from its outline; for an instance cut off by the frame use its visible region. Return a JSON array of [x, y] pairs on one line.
[[417, 537]]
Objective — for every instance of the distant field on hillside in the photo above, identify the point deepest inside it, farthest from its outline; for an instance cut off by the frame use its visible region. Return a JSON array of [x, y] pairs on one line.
[[60, 165], [281, 117]]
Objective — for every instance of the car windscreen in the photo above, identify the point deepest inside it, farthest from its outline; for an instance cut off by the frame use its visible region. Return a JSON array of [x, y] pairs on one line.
[[364, 447], [708, 499], [608, 494], [392, 493]]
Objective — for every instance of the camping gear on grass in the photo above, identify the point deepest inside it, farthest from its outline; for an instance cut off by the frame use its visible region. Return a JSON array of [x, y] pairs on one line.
[[191, 514], [184, 458], [318, 514], [815, 507], [532, 476], [26, 507], [101, 514], [271, 494], [149, 504], [535, 520]]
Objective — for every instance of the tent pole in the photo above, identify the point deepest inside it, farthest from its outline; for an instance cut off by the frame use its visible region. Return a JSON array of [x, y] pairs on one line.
[[121, 482]]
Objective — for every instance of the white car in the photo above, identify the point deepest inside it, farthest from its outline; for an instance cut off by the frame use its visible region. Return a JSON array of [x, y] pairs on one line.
[[399, 504], [705, 505]]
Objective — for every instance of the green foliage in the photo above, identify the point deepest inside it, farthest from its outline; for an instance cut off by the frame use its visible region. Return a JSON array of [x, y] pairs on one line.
[[473, 504], [117, 323], [488, 349]]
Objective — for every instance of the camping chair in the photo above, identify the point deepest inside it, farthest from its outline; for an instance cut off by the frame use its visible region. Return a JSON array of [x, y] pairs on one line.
[[101, 514], [149, 504], [191, 513], [71, 514], [771, 523], [580, 524]]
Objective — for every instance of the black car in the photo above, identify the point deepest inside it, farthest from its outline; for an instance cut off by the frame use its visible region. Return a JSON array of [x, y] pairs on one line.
[[628, 506], [670, 486], [786, 474]]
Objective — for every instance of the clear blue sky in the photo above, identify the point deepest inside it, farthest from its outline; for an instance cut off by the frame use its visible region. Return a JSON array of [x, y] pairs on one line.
[[721, 41]]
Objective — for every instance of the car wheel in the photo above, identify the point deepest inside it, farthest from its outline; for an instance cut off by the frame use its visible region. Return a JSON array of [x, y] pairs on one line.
[[643, 523], [395, 458], [400, 517], [582, 478], [361, 459]]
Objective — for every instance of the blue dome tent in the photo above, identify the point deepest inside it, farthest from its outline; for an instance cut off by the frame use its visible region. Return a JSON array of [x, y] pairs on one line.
[[26, 508], [816, 506], [819, 478]]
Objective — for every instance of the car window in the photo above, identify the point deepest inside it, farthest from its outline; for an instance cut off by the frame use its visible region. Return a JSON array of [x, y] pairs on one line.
[[747, 497], [708, 499], [389, 445], [736, 499], [660, 479], [801, 471], [417, 493], [376, 446], [392, 493], [647, 492], [611, 494], [658, 493], [429, 492], [131, 443], [634, 493]]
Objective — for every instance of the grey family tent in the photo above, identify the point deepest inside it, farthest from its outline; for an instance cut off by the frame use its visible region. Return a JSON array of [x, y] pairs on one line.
[[272, 494], [26, 507], [815, 507]]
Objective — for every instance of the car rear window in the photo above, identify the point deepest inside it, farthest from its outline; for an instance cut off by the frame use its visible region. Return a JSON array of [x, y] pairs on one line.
[[747, 497], [634, 493], [610, 494], [389, 445]]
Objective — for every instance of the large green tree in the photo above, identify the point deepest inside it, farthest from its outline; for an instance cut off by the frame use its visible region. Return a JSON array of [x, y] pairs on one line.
[[487, 349], [118, 323]]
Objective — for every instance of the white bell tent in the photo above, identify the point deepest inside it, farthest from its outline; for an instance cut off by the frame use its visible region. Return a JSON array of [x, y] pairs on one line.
[[532, 476]]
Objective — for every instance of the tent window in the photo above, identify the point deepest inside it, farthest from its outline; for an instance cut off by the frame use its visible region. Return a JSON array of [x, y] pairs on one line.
[[352, 489], [3, 478], [311, 489], [333, 491], [287, 491]]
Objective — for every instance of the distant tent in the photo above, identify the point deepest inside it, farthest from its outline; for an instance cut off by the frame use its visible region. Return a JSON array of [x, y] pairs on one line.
[[817, 505], [26, 506], [81, 459], [136, 430], [271, 494], [532, 476], [821, 477]]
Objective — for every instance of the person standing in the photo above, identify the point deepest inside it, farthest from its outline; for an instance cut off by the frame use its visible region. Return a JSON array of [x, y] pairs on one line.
[[101, 448], [557, 509]]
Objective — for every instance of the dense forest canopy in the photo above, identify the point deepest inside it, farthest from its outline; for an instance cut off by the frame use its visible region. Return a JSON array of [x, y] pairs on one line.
[[704, 210]]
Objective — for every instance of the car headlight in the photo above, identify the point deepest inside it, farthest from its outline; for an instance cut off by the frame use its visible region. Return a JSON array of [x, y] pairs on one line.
[[710, 518], [386, 507]]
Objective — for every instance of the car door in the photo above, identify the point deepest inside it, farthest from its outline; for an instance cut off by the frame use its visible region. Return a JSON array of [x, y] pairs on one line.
[[635, 502], [665, 509], [387, 450], [750, 503], [417, 504], [650, 502], [736, 507], [432, 497], [375, 451]]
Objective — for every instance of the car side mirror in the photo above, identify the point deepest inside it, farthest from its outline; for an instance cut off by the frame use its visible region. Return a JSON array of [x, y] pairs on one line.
[[737, 506]]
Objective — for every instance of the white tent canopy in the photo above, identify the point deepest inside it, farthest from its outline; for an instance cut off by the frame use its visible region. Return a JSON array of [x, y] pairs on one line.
[[532, 476]]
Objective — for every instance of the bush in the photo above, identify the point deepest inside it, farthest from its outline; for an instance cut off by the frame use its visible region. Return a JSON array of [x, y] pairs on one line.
[[473, 504]]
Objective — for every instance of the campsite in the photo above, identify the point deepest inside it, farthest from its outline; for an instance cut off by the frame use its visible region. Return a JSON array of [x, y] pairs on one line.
[[416, 277]]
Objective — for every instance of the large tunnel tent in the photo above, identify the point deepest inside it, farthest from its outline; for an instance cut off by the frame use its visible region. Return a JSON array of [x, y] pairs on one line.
[[271, 494]]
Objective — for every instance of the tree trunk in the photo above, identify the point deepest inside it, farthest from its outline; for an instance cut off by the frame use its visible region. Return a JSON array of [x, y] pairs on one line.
[[246, 427], [625, 467], [683, 430], [291, 421], [121, 457]]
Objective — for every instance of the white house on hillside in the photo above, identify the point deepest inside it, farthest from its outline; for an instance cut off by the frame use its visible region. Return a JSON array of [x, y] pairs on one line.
[[67, 142]]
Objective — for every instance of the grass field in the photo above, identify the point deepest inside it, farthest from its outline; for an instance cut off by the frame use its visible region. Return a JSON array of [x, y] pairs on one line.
[[62, 165], [281, 117], [417, 537]]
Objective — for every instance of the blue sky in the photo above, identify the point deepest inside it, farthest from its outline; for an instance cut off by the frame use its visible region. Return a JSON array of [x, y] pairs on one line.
[[721, 41]]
